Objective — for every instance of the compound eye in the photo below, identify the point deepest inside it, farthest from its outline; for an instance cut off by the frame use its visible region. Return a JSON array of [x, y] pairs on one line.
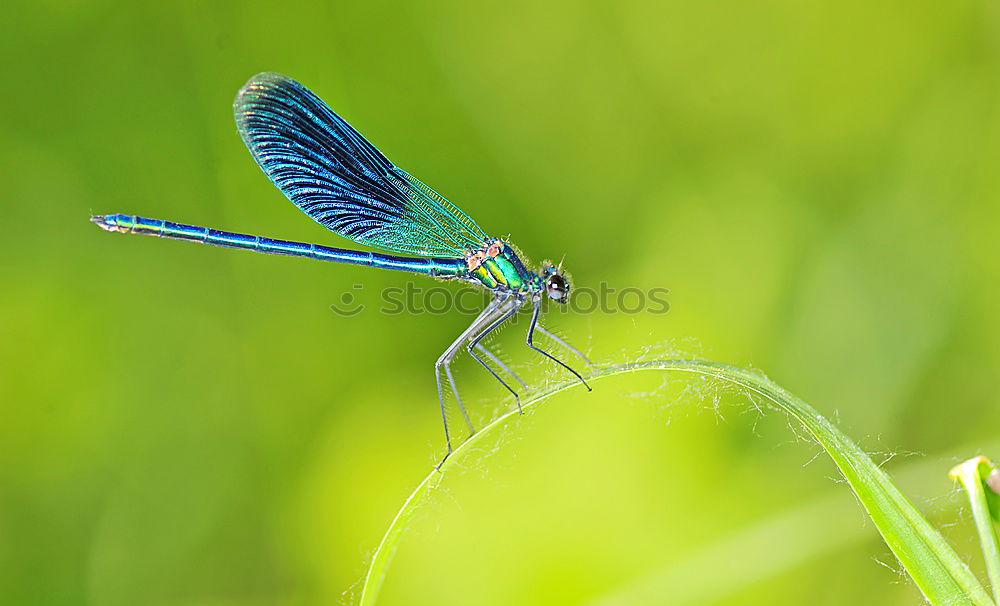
[[556, 287]]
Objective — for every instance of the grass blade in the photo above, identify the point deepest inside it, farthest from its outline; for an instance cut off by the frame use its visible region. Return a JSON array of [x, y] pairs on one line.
[[934, 566], [972, 474]]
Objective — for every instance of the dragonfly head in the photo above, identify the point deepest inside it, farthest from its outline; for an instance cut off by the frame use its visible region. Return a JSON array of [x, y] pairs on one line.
[[556, 284]]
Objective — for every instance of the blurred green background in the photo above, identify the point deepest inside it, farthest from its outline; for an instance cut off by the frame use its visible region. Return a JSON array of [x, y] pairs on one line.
[[818, 185]]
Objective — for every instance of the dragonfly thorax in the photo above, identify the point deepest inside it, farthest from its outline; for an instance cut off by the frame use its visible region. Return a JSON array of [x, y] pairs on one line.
[[497, 266]]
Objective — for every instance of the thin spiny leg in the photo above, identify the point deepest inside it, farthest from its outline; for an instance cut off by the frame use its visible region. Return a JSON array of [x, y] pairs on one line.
[[498, 362], [458, 398], [445, 360], [518, 301], [562, 342], [537, 304], [444, 415]]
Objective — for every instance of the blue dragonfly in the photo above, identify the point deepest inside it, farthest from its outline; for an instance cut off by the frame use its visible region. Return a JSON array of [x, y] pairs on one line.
[[334, 175]]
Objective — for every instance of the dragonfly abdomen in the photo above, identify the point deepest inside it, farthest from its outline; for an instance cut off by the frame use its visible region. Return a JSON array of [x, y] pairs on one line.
[[443, 268]]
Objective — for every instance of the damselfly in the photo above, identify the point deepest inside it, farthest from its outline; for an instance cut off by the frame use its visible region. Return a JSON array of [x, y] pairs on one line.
[[338, 178]]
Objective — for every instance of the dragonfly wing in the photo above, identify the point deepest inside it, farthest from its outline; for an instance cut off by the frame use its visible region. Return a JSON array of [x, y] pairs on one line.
[[338, 178]]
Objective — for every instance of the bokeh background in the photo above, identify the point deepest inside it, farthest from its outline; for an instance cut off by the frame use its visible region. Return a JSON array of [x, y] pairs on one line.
[[818, 185]]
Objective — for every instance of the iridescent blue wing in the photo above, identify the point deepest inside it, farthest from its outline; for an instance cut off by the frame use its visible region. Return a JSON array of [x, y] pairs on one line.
[[335, 176]]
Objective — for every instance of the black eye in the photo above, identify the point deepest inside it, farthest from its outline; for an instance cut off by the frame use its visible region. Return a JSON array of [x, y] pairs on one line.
[[556, 287]]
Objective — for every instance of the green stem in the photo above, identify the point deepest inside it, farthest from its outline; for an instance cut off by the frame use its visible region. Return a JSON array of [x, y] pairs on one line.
[[934, 566], [972, 474]]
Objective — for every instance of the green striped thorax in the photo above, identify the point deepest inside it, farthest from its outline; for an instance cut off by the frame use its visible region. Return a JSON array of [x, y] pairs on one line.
[[498, 267]]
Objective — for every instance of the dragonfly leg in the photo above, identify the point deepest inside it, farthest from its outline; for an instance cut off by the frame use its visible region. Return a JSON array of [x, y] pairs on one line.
[[458, 398], [483, 319], [506, 315], [537, 305], [562, 342], [496, 360]]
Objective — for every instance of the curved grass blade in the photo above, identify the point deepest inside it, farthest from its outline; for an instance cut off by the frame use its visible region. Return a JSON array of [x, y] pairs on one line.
[[934, 566], [973, 475]]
